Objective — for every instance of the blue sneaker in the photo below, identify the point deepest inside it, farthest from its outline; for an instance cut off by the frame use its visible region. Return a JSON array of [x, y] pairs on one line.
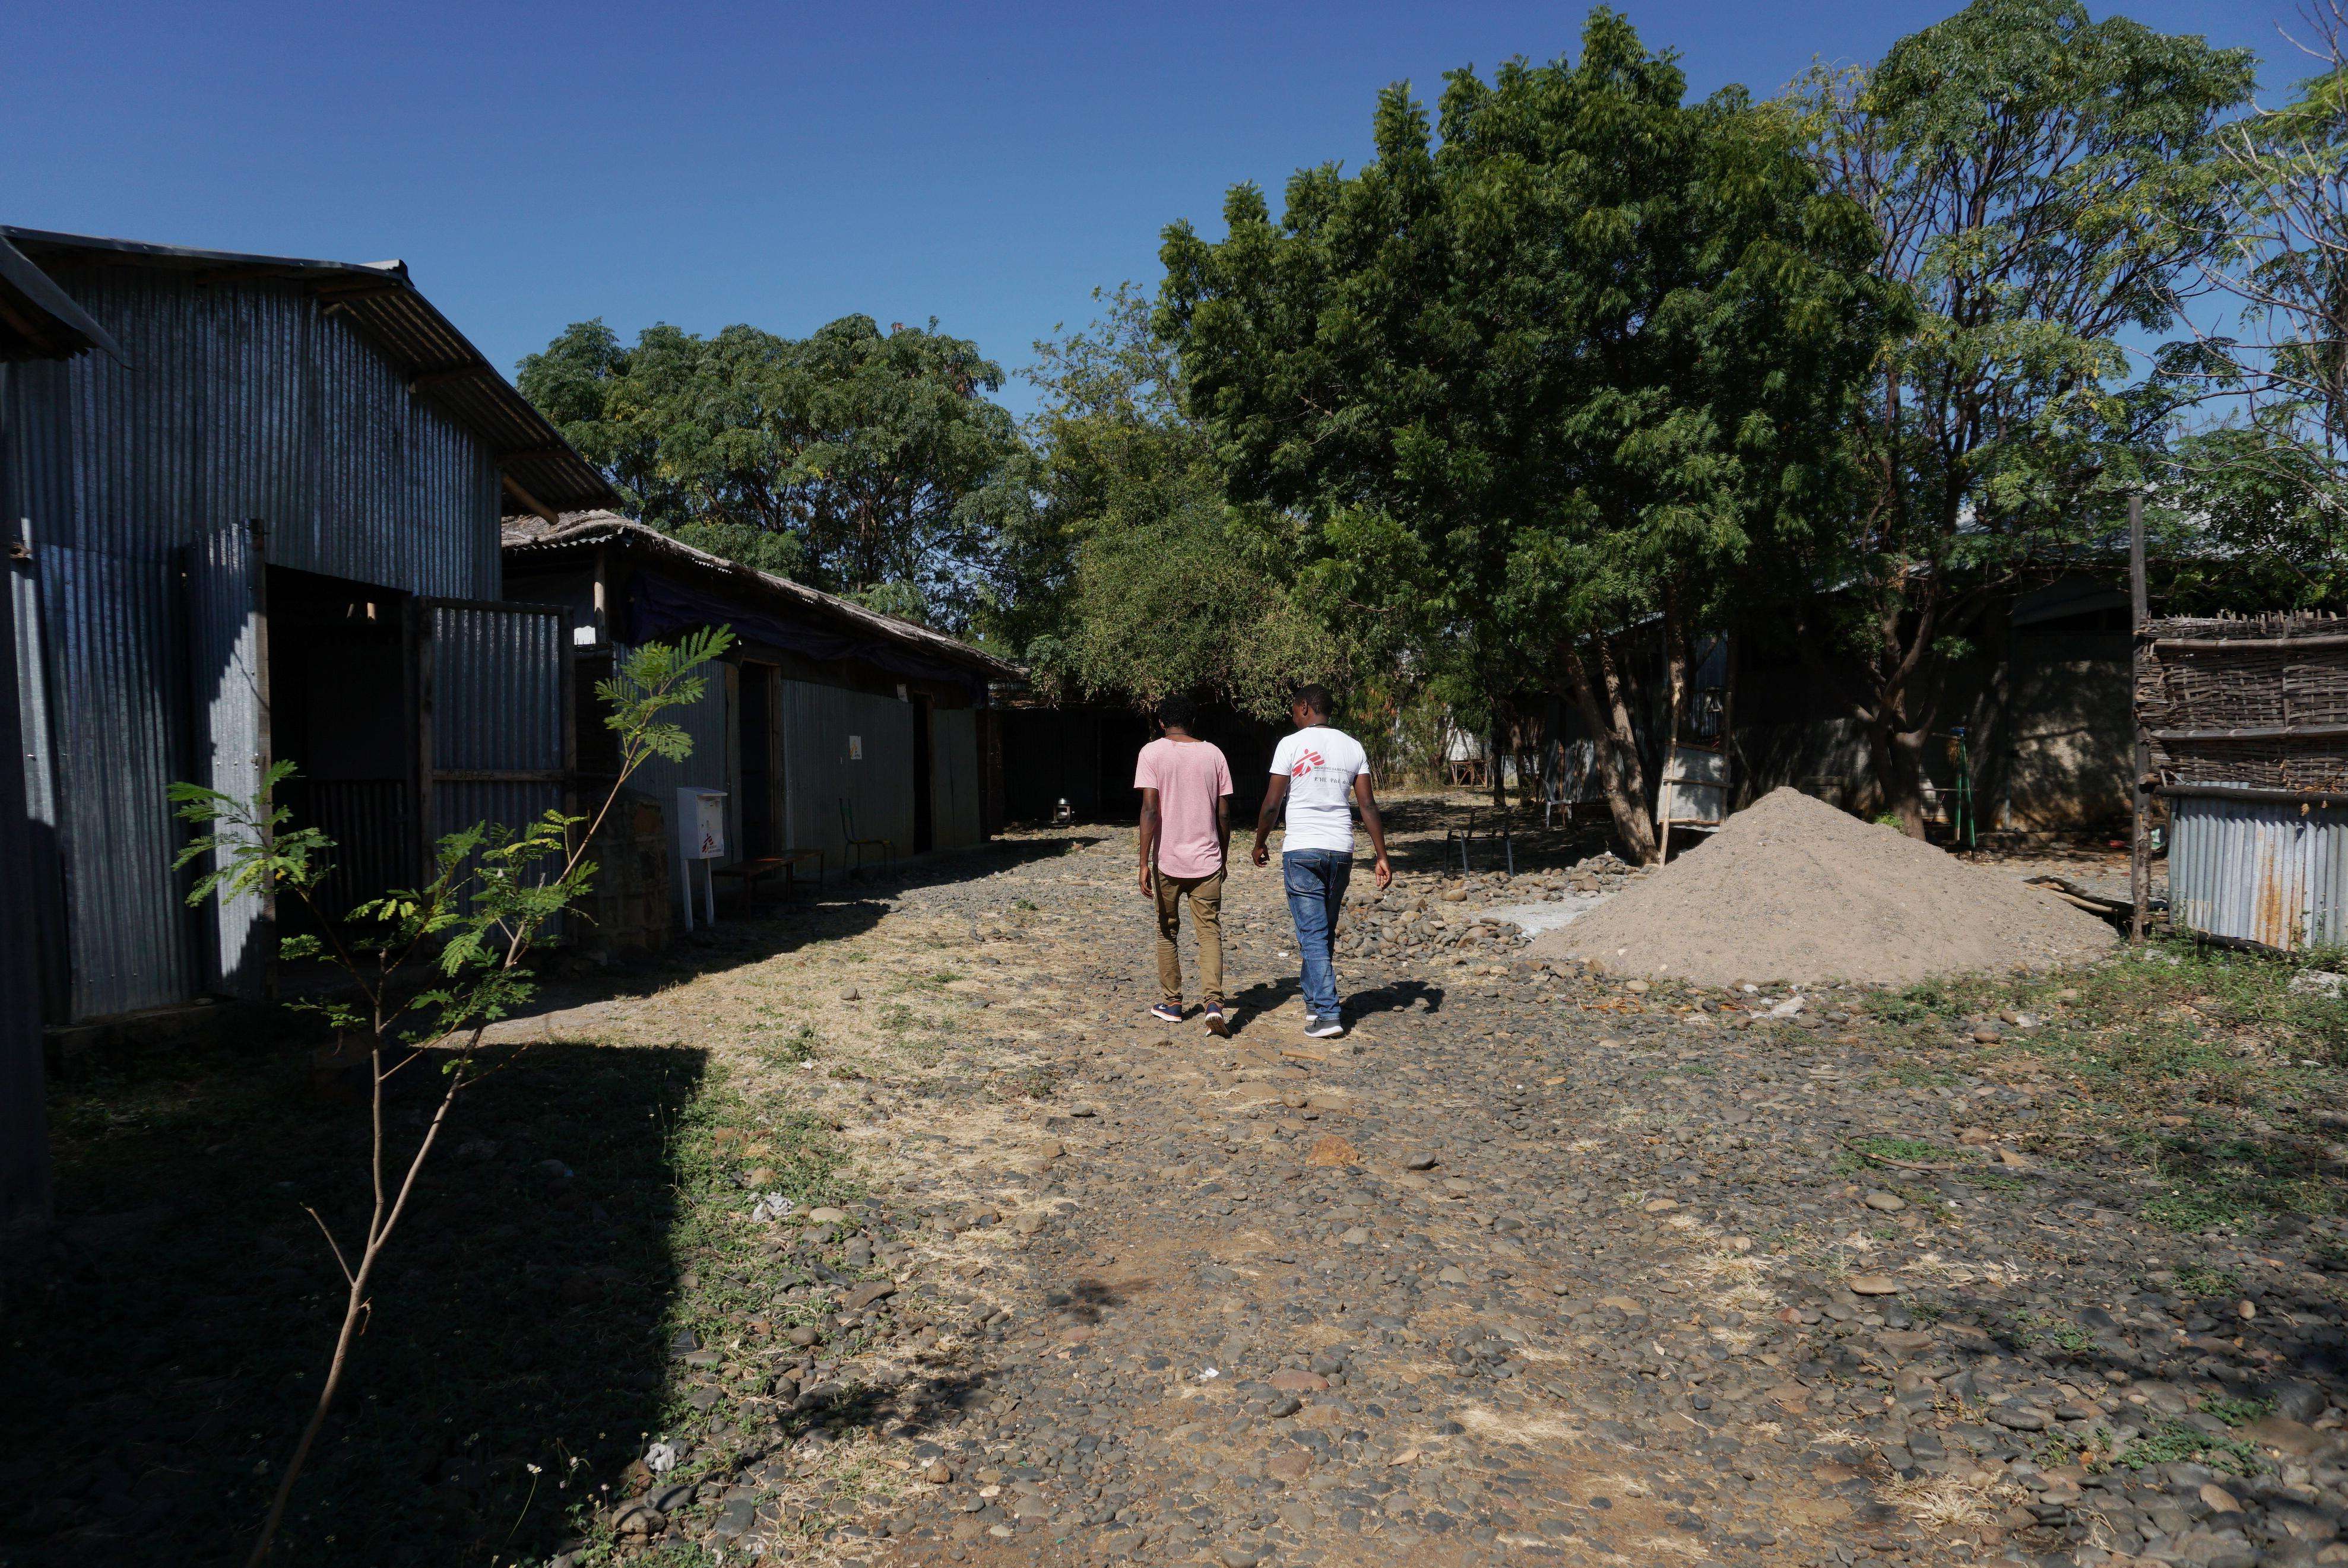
[[1167, 1012]]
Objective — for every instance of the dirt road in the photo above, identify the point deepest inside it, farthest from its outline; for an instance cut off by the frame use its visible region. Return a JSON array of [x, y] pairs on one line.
[[1532, 1266]]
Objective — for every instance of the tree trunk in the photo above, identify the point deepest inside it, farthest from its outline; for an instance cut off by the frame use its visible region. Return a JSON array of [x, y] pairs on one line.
[[1614, 747], [1675, 681], [1894, 691], [1900, 772], [1494, 763]]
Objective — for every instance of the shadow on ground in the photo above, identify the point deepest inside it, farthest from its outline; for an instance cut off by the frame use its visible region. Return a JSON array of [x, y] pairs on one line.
[[749, 932], [1251, 1003], [164, 1348]]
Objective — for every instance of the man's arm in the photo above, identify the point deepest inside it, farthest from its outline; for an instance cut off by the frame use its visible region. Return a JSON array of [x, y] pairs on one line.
[[1147, 835], [1224, 829], [1374, 828], [1274, 795]]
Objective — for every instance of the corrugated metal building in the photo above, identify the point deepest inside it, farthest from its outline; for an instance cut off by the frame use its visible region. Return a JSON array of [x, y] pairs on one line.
[[821, 704], [38, 321], [269, 531]]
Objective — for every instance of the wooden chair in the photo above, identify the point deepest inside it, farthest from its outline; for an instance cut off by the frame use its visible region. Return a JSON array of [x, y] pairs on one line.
[[858, 846]]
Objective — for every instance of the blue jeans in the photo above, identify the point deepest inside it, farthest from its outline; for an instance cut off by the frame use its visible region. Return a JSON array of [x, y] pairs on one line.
[[1315, 881]]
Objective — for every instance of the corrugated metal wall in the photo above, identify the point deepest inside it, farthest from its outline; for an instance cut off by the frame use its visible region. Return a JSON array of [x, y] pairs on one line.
[[23, 1121], [959, 783], [227, 685], [248, 400], [243, 399], [818, 772], [2266, 871], [117, 697], [710, 764], [499, 693], [497, 686], [40, 876]]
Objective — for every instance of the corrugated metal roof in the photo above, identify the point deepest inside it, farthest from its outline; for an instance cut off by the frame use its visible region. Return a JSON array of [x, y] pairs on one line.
[[39, 320], [528, 537], [441, 363]]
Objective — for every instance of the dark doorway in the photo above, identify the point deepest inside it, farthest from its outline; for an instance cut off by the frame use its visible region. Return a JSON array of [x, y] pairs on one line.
[[924, 827], [756, 699], [342, 709]]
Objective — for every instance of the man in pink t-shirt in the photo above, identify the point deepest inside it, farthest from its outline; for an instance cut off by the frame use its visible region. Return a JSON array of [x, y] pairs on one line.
[[1186, 837]]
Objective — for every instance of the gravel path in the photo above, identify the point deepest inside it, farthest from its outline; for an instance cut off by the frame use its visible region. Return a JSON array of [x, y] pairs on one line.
[[1535, 1266]]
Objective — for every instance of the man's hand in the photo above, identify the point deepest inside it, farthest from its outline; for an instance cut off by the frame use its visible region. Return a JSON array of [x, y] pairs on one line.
[[1384, 871], [1149, 889], [1275, 794]]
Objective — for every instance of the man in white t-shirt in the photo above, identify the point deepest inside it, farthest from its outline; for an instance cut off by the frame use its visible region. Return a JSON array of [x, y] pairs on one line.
[[1318, 773]]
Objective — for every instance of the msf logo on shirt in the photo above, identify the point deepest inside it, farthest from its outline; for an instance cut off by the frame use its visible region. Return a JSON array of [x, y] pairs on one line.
[[1304, 764]]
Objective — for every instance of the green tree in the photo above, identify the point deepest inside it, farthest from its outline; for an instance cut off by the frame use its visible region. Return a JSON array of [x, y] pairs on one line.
[[1128, 576], [1512, 394], [2043, 187], [853, 459], [2262, 501]]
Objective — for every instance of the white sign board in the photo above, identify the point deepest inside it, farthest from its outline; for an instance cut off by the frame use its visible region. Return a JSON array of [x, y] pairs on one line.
[[700, 837], [700, 813], [855, 748]]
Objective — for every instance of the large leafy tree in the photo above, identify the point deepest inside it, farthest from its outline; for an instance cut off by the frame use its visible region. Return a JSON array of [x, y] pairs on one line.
[[1514, 389], [1124, 573], [854, 459], [2264, 490], [2044, 187]]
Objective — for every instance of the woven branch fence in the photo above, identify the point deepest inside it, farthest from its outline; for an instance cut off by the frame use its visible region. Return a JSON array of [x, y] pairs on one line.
[[2258, 701]]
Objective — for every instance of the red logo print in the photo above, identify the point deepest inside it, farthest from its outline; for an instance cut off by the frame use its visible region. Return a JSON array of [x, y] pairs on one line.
[[1304, 764]]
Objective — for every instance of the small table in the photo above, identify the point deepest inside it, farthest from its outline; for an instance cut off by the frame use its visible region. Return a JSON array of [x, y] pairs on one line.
[[753, 872]]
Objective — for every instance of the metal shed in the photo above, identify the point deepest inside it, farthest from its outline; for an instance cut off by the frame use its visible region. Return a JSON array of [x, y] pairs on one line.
[[37, 321], [2244, 734], [267, 527], [826, 713]]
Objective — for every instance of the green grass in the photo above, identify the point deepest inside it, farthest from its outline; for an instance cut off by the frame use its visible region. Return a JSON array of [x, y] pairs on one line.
[[1915, 1150], [1917, 1075], [2237, 1412], [2199, 1279], [1890, 1152], [2035, 1328], [799, 1045], [521, 1316], [2174, 1442], [2203, 1073]]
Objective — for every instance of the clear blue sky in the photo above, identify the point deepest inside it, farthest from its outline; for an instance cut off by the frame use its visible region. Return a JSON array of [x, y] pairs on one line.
[[776, 164]]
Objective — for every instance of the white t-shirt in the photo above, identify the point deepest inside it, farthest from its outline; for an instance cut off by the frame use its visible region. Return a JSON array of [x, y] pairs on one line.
[[1322, 764]]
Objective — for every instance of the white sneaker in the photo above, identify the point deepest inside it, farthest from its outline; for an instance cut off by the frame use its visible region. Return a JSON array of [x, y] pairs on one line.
[[1328, 1027]]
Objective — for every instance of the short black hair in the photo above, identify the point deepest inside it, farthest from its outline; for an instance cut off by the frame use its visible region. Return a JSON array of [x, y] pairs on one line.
[[1315, 697], [1177, 711]]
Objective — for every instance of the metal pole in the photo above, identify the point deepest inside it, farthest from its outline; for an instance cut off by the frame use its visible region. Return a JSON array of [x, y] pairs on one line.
[[2139, 620]]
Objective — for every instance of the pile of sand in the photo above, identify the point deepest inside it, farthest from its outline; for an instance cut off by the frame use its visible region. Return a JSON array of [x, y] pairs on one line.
[[1794, 889]]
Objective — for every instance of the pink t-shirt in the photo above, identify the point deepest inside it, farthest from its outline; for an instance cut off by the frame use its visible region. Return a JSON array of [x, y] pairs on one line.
[[1188, 775]]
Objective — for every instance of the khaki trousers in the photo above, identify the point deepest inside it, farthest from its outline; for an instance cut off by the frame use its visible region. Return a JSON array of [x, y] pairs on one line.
[[1207, 914]]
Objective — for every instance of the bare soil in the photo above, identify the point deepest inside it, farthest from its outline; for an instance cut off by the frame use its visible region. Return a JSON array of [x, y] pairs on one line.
[[888, 1229]]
